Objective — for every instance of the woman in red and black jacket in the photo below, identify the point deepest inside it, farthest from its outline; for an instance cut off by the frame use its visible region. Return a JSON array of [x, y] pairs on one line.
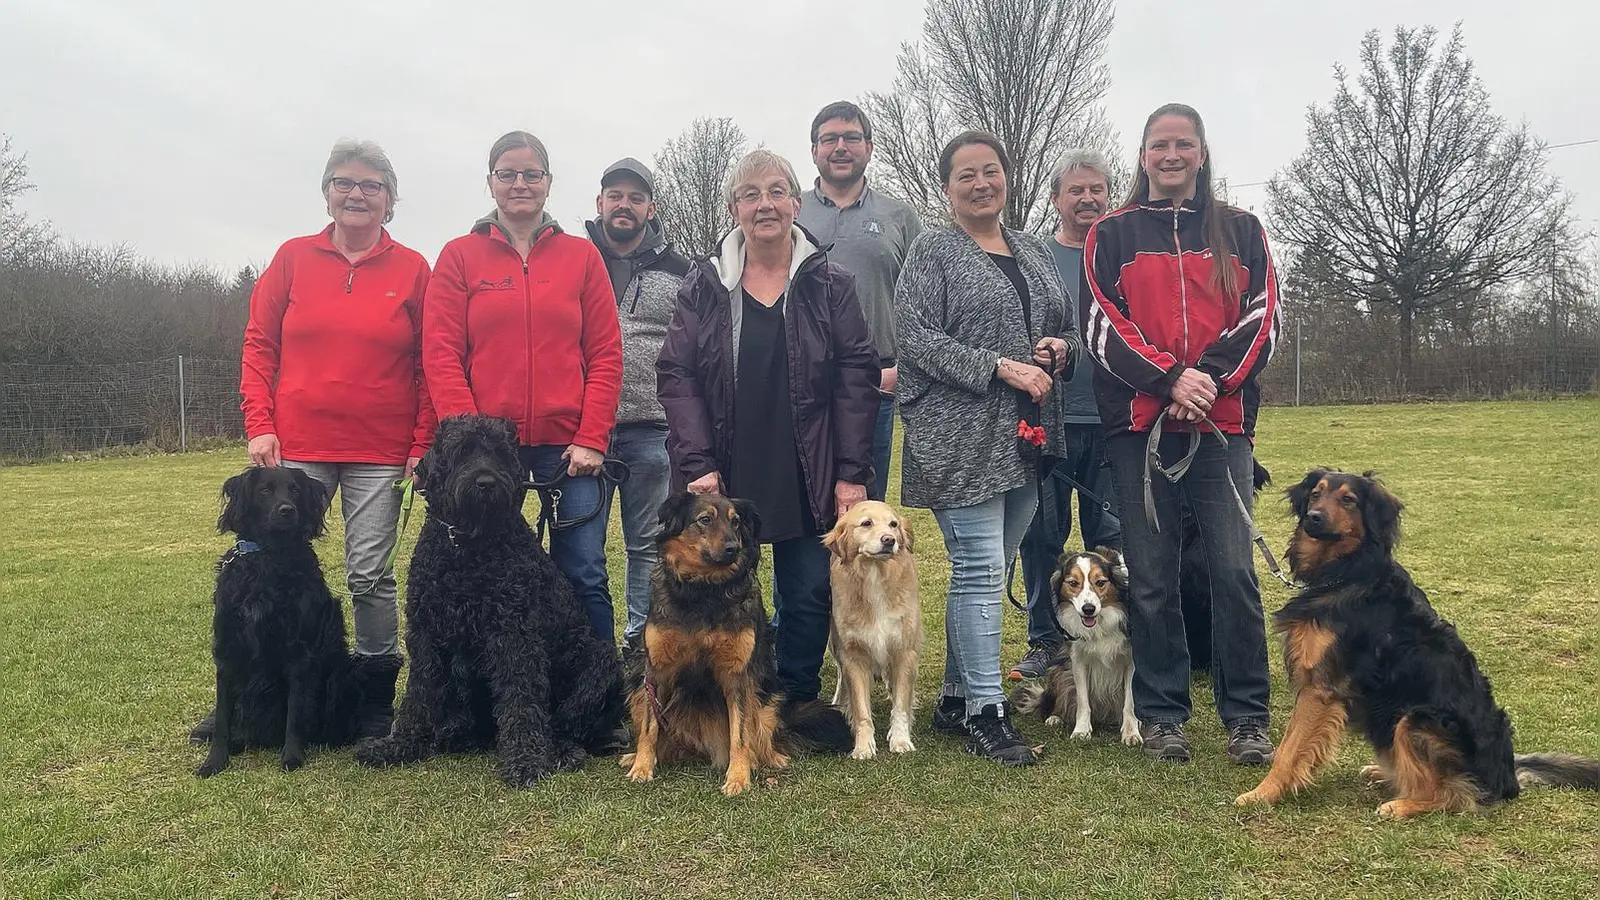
[[521, 324], [332, 384], [1181, 319]]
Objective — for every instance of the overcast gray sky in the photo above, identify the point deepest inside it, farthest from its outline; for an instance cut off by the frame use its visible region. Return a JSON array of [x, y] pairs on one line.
[[197, 131]]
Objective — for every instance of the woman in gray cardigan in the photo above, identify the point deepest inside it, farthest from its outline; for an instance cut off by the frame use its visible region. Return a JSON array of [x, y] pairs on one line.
[[980, 315]]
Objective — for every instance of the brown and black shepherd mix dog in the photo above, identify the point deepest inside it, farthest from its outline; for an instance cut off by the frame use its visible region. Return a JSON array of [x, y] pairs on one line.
[[1365, 650], [705, 685]]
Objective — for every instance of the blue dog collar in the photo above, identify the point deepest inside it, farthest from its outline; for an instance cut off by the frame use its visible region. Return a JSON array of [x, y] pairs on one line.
[[246, 547]]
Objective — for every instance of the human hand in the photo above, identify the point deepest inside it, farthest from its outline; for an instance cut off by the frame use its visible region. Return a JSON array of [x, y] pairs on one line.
[[1025, 377], [888, 378], [411, 466], [709, 483], [264, 451], [1195, 392], [1052, 352], [847, 494], [582, 460]]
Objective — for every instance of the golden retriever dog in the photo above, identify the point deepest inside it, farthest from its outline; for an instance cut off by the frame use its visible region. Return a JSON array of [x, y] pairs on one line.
[[877, 620]]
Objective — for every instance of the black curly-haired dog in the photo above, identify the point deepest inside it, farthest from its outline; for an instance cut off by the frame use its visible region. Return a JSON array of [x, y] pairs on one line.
[[502, 656], [1365, 650], [285, 677]]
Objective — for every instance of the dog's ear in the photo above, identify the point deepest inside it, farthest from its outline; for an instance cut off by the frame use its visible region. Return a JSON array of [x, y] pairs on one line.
[[674, 515], [1119, 566], [1297, 495], [510, 429], [419, 475], [1260, 476], [907, 533], [838, 542], [749, 522], [1055, 579], [235, 502], [1380, 511], [312, 502]]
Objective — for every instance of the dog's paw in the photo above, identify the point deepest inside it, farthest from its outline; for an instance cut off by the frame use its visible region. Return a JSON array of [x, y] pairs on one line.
[[1373, 774], [735, 785], [1253, 798], [1055, 721], [570, 758], [524, 776], [1401, 809], [867, 749], [210, 767], [626, 760], [1082, 734], [640, 774], [1131, 735], [900, 743], [293, 760]]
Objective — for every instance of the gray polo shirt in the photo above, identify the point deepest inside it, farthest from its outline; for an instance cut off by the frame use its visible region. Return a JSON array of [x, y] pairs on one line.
[[1078, 405], [870, 238]]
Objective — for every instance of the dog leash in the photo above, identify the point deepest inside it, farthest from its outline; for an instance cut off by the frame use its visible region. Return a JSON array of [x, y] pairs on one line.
[[612, 472], [1177, 470], [408, 492]]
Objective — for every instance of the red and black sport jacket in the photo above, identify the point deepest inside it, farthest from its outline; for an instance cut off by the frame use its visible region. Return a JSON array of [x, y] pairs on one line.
[[1153, 312]]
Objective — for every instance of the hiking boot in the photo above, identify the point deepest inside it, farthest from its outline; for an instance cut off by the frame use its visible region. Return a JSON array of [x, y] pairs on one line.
[[991, 735], [375, 677], [950, 715], [1034, 663], [201, 733], [1249, 745], [1165, 741]]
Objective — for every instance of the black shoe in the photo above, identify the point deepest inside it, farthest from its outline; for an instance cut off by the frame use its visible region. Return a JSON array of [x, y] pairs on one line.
[[201, 733], [1249, 745], [1165, 741], [1035, 661], [376, 676], [950, 715], [992, 735]]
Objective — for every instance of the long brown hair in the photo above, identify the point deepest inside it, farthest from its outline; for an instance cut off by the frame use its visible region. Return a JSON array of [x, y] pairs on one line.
[[1214, 214]]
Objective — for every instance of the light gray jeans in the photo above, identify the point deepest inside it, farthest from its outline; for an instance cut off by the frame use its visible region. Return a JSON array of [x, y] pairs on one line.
[[371, 508], [980, 540]]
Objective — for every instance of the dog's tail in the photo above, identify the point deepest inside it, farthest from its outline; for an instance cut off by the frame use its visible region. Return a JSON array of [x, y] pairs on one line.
[[1558, 770], [1029, 697], [812, 726]]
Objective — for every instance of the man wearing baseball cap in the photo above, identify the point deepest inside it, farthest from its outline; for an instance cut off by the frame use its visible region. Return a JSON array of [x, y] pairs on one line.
[[645, 275]]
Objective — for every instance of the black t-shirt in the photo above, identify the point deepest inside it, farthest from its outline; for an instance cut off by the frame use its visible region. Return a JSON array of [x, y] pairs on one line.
[[765, 468], [1026, 408]]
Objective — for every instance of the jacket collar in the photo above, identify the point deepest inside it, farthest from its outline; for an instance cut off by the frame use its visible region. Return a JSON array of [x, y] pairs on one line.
[[1191, 205], [491, 225], [324, 241], [729, 259], [825, 200]]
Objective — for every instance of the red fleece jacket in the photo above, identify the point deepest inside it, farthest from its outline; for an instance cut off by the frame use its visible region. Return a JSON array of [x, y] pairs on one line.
[[536, 342], [332, 360]]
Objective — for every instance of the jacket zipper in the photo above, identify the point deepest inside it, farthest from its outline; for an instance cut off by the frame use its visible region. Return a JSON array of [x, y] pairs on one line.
[[527, 336], [1183, 285], [350, 280]]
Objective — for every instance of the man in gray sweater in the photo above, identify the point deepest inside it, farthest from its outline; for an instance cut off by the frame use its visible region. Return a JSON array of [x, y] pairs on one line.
[[867, 234], [645, 276]]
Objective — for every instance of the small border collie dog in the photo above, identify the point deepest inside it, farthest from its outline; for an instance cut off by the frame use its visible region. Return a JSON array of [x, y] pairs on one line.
[[1091, 679]]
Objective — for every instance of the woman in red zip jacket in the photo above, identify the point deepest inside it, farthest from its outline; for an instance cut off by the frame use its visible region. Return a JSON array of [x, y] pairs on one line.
[[1181, 319], [332, 384], [522, 324]]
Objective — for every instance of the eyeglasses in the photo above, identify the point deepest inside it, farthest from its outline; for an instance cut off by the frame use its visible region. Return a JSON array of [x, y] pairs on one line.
[[752, 196], [529, 176], [346, 185], [849, 138]]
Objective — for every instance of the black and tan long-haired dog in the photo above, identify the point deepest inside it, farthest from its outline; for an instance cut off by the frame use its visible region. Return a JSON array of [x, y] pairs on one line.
[[706, 686], [502, 656], [1366, 650], [285, 677], [1091, 678]]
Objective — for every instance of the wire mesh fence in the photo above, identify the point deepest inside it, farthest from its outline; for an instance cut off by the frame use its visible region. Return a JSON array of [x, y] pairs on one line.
[[174, 403]]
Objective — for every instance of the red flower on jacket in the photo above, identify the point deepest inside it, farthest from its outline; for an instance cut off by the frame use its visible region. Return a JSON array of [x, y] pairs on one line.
[[1033, 434]]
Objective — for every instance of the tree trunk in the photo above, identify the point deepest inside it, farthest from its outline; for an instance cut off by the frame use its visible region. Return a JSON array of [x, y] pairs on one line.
[[1408, 342]]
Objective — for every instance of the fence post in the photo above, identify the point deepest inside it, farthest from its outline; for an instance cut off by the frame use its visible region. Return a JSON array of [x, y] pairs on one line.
[[183, 412], [1296, 360]]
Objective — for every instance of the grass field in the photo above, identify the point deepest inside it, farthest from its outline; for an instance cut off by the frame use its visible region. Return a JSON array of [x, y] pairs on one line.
[[105, 578]]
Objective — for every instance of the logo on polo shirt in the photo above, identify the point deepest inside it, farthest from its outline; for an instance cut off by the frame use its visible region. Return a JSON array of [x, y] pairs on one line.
[[871, 226], [503, 284]]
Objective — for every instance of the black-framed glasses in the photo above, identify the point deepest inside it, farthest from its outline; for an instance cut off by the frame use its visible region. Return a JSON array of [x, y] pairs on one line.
[[849, 139], [346, 185], [529, 176]]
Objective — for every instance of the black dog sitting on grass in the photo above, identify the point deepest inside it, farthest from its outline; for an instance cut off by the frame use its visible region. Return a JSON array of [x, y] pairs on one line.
[[502, 656], [285, 677]]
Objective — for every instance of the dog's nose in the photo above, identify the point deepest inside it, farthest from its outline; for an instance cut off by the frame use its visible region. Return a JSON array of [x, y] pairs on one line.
[[1090, 609], [484, 481], [284, 510], [1316, 517], [888, 542]]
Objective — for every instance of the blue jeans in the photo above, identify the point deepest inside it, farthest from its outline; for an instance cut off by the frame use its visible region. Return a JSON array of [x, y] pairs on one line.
[[882, 442], [1046, 539], [580, 553], [643, 447], [980, 540], [1155, 616], [800, 586]]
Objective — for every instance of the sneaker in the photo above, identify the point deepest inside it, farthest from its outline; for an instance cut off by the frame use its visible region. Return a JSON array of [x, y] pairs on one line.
[[1035, 661], [1249, 745], [1165, 741], [991, 735], [950, 716], [201, 733]]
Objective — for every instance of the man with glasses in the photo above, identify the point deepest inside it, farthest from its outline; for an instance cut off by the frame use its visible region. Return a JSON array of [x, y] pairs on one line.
[[867, 234], [645, 276]]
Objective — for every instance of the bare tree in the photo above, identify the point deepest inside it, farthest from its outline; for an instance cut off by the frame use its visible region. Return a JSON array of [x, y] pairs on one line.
[[1412, 193], [689, 172], [18, 236], [1030, 71]]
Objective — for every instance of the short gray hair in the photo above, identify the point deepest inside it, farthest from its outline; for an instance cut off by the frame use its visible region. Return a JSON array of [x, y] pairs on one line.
[[369, 154], [1079, 158], [754, 163]]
